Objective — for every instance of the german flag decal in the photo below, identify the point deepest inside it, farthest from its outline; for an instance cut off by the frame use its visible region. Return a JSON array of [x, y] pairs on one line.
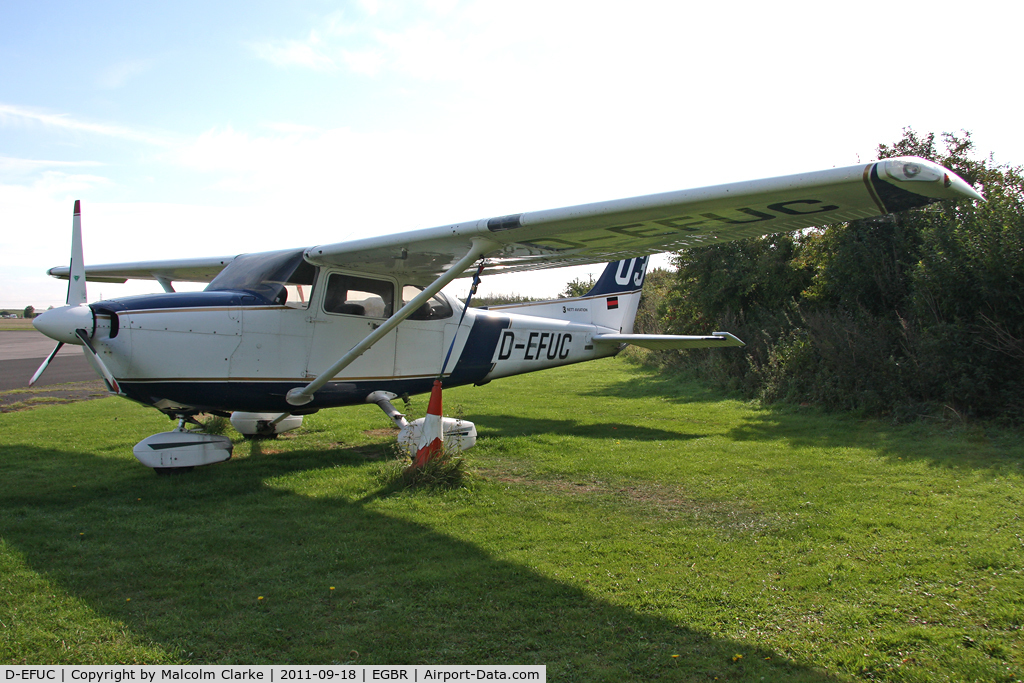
[[613, 302]]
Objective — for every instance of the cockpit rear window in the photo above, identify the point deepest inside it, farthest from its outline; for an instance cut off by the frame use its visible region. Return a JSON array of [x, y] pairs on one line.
[[434, 309]]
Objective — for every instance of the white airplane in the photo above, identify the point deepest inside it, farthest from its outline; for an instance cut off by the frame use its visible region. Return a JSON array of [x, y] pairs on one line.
[[281, 334]]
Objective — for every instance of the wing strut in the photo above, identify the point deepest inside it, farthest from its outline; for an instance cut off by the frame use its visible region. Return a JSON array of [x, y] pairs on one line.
[[465, 307], [300, 397]]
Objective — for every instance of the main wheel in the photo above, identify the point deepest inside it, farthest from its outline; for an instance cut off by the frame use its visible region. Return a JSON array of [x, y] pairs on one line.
[[170, 471]]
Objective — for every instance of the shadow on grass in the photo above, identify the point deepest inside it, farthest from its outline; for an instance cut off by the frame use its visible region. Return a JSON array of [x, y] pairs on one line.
[[939, 447], [646, 382], [221, 566], [810, 426], [512, 425]]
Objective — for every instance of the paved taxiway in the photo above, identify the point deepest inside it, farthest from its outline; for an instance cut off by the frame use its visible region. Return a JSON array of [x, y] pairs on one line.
[[21, 353]]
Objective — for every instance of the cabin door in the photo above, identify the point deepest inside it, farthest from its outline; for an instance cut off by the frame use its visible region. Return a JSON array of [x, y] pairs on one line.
[[349, 308]]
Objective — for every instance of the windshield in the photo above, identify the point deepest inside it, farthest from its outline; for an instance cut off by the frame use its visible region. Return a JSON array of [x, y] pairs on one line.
[[280, 277]]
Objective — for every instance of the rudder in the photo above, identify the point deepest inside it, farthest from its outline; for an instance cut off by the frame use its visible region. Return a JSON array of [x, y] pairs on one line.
[[621, 277]]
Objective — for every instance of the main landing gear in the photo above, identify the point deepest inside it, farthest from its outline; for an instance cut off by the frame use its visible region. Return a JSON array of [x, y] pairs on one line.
[[458, 434], [183, 449]]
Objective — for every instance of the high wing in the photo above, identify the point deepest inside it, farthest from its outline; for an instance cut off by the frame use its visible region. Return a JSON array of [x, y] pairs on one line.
[[619, 229], [625, 228], [171, 270]]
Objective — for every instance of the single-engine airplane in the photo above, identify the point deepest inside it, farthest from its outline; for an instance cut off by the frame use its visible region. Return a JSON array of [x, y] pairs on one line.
[[281, 334]]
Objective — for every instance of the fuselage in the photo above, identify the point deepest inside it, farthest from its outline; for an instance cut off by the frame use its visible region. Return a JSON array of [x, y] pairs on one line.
[[231, 350], [272, 322]]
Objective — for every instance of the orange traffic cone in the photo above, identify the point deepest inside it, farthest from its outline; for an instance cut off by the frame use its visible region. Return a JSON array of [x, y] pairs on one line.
[[432, 432]]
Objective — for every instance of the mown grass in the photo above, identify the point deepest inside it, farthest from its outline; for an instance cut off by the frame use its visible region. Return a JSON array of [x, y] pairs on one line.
[[31, 397], [15, 324], [617, 525]]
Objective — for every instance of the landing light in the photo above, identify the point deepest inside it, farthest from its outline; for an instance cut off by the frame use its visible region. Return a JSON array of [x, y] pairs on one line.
[[904, 170]]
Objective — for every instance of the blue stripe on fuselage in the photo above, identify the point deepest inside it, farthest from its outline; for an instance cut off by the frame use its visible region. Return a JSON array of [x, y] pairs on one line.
[[217, 299], [266, 397], [475, 360]]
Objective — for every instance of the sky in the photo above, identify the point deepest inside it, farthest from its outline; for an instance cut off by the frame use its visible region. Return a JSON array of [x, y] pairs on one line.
[[216, 128]]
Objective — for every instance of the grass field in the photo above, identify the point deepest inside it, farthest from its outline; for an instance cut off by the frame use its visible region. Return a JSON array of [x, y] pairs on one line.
[[15, 324], [620, 525]]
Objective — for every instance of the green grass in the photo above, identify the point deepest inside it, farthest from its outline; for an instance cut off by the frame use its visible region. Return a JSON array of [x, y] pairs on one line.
[[15, 324], [616, 525]]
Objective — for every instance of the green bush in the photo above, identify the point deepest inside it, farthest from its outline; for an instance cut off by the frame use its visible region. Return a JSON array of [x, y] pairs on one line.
[[902, 314]]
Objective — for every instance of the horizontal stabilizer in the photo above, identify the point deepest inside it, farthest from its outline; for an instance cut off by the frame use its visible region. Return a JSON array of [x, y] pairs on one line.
[[665, 342]]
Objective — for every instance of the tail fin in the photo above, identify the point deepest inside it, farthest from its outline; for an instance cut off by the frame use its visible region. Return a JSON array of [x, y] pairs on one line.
[[615, 296], [621, 277]]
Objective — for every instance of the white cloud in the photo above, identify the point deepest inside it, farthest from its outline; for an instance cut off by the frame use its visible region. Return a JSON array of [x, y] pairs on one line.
[[12, 115], [116, 75], [364, 63], [21, 167], [309, 53], [371, 7], [290, 128]]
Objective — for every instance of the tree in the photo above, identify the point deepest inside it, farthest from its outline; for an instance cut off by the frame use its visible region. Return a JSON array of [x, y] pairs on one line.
[[890, 314], [946, 282], [577, 287], [656, 286], [30, 311], [734, 279]]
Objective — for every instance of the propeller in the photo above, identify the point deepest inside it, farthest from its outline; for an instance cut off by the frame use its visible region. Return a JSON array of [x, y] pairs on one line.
[[46, 362], [74, 322], [97, 363]]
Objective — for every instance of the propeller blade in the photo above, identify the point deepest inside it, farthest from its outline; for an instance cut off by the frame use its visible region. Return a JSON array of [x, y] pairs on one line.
[[76, 276], [46, 362], [97, 363]]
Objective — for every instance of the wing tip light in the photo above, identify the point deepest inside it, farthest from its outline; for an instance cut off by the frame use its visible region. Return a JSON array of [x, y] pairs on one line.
[[940, 182]]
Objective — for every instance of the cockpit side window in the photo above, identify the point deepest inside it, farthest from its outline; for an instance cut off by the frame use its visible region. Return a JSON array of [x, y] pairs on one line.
[[353, 295], [436, 308]]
